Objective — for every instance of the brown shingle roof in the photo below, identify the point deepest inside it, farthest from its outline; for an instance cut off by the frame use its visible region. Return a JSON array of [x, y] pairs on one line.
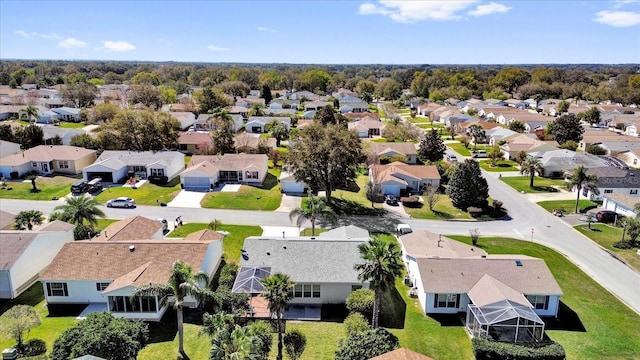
[[401, 354], [55, 225], [194, 138], [489, 290], [386, 172], [423, 243], [404, 148], [205, 235], [101, 260], [12, 245], [133, 228]]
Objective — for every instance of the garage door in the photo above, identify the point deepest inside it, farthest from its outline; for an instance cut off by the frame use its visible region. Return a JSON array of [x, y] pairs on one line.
[[292, 187], [199, 183], [106, 176]]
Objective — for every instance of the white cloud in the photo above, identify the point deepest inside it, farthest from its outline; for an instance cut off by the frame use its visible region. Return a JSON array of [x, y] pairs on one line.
[[118, 46], [216, 48], [487, 9], [620, 3], [411, 11], [264, 28], [50, 36], [70, 43], [25, 34], [617, 18]]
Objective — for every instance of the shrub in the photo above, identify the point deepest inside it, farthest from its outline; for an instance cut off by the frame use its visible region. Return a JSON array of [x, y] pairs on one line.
[[294, 343], [228, 275], [355, 323], [34, 347], [13, 174], [83, 232], [624, 244], [263, 331], [367, 344], [492, 350], [361, 301]]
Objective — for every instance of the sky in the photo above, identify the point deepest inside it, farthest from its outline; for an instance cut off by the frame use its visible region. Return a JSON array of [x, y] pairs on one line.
[[324, 32]]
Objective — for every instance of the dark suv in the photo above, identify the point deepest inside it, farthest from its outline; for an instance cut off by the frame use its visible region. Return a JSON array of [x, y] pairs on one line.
[[79, 187], [608, 216], [391, 200]]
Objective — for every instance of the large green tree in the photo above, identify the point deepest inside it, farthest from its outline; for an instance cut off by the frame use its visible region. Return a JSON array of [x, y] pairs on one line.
[[389, 89], [567, 127], [31, 112], [432, 147], [79, 95], [29, 136], [140, 130], [102, 334], [462, 194], [145, 94], [278, 291], [27, 219], [18, 321], [580, 181], [80, 209], [381, 267], [314, 80], [591, 116], [278, 130], [211, 98], [510, 78], [325, 157], [366, 345], [182, 282], [315, 208], [530, 167]]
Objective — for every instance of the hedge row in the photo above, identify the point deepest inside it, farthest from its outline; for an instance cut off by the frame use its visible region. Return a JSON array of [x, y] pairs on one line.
[[493, 350]]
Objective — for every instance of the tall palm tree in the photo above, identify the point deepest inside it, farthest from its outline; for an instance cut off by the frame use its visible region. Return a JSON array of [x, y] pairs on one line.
[[79, 209], [315, 208], [579, 180], [531, 166], [182, 283], [27, 219], [278, 291], [381, 268], [31, 112]]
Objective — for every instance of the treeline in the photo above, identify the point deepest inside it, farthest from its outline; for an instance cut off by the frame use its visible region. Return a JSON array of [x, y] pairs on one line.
[[618, 83]]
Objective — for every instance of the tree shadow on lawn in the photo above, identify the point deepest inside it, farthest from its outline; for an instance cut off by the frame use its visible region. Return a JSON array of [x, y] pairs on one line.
[[32, 297], [447, 319], [166, 329], [270, 181], [393, 309], [349, 207], [544, 188], [385, 223], [567, 320]]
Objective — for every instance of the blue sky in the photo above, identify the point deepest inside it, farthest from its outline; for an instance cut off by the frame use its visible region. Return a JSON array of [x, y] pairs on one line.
[[324, 32]]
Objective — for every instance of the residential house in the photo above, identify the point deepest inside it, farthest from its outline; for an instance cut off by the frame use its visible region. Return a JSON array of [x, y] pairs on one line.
[[463, 127], [194, 142], [8, 148], [47, 160], [248, 102], [497, 134], [115, 166], [614, 141], [24, 254], [630, 157], [361, 116], [280, 112], [556, 163], [315, 105], [451, 277], [623, 204], [186, 119], [50, 133], [455, 120], [289, 184], [398, 178], [257, 124], [367, 127], [301, 95], [425, 109], [516, 103], [323, 270], [387, 151], [10, 111], [308, 115], [523, 142], [238, 110], [135, 227], [612, 180], [252, 143], [205, 172], [68, 114], [104, 274], [283, 103]]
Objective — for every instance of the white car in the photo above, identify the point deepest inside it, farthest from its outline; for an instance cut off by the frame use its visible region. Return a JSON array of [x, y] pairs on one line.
[[451, 158], [123, 202]]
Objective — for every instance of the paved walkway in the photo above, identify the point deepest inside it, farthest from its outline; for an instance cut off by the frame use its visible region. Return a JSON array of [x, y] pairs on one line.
[[187, 199]]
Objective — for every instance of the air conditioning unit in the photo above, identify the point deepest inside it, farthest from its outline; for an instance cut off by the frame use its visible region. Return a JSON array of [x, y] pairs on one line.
[[9, 354]]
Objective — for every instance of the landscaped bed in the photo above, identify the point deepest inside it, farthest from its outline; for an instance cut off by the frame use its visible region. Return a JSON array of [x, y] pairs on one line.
[[501, 165], [540, 185], [49, 187]]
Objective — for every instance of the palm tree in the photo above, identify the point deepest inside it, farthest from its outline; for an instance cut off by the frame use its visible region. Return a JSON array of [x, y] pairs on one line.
[[238, 344], [277, 130], [579, 180], [494, 154], [278, 291], [214, 224], [79, 209], [182, 283], [531, 166], [31, 112], [27, 219], [315, 208], [381, 268]]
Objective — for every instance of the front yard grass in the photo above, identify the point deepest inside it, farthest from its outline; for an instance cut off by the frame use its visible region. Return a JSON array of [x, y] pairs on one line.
[[592, 323], [71, 125], [248, 197], [567, 205], [459, 148], [443, 210], [232, 242], [49, 187], [606, 235], [501, 165], [540, 184], [146, 194]]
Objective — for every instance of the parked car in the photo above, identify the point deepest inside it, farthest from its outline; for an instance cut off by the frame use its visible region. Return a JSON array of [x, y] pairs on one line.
[[94, 185], [391, 200], [402, 229], [123, 202], [451, 158], [79, 187], [608, 216], [480, 154]]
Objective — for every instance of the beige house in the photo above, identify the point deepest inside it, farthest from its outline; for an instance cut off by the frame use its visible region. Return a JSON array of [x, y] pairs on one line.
[[367, 127], [397, 178], [205, 172], [393, 150], [47, 160], [193, 142]]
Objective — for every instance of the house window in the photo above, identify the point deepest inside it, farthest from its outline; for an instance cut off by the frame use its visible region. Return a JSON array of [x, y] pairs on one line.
[[316, 291], [34, 164], [251, 175], [101, 286], [355, 287], [608, 191], [183, 147], [539, 302], [447, 301], [57, 289], [306, 291], [63, 164], [157, 172], [633, 192], [297, 290], [137, 304], [137, 169]]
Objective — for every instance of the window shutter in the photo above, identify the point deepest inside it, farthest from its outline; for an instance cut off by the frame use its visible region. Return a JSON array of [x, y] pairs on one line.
[[435, 300], [546, 302], [48, 289], [457, 301], [66, 292]]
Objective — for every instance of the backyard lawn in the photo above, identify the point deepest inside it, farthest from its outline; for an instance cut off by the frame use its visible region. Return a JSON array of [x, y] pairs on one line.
[[49, 187], [443, 210], [606, 236], [568, 206], [146, 194], [540, 184], [501, 165], [248, 197]]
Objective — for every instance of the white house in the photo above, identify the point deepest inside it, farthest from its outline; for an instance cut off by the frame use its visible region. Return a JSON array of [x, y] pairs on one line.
[[257, 124], [397, 177], [23, 254], [8, 148], [104, 274], [289, 184], [67, 114], [630, 157], [115, 165], [205, 171], [612, 180]]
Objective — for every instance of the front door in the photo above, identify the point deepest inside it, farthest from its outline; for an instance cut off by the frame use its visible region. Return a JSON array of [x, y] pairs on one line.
[[45, 167]]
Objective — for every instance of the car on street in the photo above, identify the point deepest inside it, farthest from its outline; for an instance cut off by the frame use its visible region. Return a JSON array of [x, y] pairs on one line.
[[480, 154], [122, 202], [391, 200], [608, 216], [451, 158]]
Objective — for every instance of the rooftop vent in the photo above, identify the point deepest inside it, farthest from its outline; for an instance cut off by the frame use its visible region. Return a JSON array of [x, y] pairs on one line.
[[518, 263], [132, 248], [268, 253]]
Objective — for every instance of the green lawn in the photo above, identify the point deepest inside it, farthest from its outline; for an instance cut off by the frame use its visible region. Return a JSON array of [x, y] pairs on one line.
[[307, 231], [49, 187], [521, 183], [103, 223], [501, 165], [592, 324], [146, 194], [232, 242], [443, 209], [71, 125], [248, 197], [606, 236], [567, 205], [356, 192], [460, 149]]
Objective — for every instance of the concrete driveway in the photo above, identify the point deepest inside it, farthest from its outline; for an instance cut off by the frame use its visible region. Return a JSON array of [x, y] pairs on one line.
[[289, 202], [187, 199]]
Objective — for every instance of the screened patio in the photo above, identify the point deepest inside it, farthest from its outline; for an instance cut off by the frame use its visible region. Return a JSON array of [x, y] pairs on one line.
[[249, 279], [505, 321]]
